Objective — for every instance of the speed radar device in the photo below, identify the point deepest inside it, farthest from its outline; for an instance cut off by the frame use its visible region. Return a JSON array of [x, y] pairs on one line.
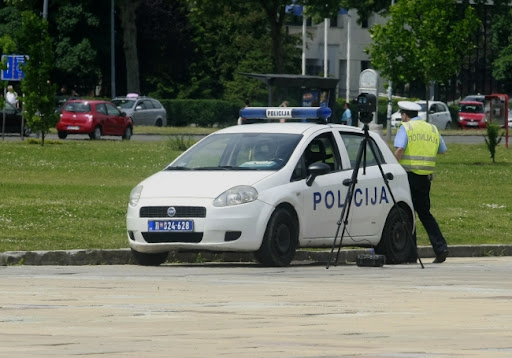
[[366, 105]]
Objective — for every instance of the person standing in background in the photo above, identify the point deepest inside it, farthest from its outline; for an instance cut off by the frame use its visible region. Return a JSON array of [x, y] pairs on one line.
[[12, 97], [347, 115]]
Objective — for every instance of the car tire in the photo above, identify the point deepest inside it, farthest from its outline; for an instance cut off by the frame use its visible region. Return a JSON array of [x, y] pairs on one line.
[[448, 125], [396, 242], [127, 133], [280, 240], [96, 134], [158, 122], [144, 259], [62, 135]]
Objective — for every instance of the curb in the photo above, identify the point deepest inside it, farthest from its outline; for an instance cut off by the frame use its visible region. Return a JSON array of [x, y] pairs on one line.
[[124, 257]]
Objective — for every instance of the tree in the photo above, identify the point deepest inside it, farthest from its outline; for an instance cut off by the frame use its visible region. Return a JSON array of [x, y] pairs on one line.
[[39, 93], [127, 13], [233, 37], [424, 40], [76, 59]]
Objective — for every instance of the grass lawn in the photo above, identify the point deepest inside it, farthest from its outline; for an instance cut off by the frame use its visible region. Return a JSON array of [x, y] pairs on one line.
[[74, 194]]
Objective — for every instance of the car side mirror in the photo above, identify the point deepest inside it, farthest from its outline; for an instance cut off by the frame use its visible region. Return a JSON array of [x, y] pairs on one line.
[[315, 170], [138, 108]]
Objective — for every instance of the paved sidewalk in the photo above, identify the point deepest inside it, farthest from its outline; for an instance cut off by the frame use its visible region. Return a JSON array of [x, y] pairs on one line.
[[123, 256]]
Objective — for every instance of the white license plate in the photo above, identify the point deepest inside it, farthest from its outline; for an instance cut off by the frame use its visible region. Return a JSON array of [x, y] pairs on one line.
[[73, 128], [170, 225]]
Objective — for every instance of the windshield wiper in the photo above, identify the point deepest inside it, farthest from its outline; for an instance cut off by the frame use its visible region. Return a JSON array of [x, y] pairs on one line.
[[177, 168]]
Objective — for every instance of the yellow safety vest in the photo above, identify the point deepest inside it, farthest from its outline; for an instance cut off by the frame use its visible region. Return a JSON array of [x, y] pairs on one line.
[[422, 145]]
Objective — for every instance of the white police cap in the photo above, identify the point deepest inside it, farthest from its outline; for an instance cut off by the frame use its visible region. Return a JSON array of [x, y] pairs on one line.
[[409, 106]]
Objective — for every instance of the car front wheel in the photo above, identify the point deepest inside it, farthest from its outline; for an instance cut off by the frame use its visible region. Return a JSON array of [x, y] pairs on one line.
[[144, 259], [396, 242], [280, 240]]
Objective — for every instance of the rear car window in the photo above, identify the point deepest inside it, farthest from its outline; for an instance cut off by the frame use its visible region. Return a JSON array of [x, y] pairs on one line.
[[79, 107]]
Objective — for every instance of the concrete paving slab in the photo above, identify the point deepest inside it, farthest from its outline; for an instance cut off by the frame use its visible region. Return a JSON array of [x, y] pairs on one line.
[[461, 308]]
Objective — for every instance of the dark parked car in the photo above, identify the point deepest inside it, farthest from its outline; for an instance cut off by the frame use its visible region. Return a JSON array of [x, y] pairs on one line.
[[95, 118], [13, 120]]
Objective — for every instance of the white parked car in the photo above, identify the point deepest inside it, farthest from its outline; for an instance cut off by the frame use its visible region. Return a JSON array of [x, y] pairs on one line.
[[439, 115], [270, 188]]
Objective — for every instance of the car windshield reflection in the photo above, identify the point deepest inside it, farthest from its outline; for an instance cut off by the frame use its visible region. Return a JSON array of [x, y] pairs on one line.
[[239, 151]]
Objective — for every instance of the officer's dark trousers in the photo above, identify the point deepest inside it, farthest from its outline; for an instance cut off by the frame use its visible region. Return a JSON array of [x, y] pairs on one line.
[[420, 191]]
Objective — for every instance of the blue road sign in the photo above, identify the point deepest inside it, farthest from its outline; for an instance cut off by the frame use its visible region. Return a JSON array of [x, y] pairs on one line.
[[13, 72]]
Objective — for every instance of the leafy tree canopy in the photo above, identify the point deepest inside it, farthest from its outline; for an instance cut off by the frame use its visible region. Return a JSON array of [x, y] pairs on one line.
[[423, 40]]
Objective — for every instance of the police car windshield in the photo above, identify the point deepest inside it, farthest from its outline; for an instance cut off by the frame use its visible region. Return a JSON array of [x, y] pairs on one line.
[[239, 151]]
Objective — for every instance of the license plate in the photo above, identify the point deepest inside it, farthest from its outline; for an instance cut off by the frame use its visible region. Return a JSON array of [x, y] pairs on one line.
[[170, 225], [73, 128]]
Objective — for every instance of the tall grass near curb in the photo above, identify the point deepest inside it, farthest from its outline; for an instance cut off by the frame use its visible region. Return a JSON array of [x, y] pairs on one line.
[[73, 194]]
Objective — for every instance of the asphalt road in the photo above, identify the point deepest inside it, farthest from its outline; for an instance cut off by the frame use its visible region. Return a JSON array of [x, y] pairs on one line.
[[461, 308]]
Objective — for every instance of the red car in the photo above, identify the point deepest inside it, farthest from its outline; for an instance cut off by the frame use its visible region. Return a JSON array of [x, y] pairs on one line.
[[472, 114], [95, 118]]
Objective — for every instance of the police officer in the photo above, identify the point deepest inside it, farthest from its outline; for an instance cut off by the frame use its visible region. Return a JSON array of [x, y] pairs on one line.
[[417, 143]]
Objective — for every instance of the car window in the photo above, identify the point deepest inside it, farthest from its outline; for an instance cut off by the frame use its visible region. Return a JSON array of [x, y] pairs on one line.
[[156, 104], [123, 103], [78, 107], [239, 151], [100, 107], [472, 108], [112, 110], [352, 142], [322, 149], [148, 104]]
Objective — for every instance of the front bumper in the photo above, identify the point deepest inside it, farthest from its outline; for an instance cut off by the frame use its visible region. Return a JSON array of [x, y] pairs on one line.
[[232, 228]]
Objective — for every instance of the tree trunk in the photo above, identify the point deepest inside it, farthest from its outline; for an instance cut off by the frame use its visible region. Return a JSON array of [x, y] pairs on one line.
[[127, 14]]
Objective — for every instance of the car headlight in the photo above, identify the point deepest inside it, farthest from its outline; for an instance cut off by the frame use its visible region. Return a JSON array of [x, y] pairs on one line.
[[235, 196], [135, 195]]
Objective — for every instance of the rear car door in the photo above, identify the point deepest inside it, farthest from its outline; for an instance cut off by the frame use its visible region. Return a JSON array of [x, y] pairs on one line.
[[371, 201]]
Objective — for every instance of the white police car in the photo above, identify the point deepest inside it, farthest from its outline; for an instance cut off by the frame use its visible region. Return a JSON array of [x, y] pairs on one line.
[[270, 188]]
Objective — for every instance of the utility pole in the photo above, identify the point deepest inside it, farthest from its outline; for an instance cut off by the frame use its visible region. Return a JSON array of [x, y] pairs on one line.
[[45, 9], [112, 51]]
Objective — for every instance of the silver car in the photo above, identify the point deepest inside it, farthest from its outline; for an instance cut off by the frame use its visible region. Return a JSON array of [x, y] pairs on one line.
[[439, 115], [143, 110]]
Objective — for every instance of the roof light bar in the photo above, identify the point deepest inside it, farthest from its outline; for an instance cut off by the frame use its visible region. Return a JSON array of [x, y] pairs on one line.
[[286, 112]]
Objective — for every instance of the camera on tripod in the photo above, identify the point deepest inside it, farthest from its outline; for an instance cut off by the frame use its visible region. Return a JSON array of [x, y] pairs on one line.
[[366, 105]]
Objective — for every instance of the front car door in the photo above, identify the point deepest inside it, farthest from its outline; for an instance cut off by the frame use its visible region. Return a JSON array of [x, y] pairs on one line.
[[115, 121]]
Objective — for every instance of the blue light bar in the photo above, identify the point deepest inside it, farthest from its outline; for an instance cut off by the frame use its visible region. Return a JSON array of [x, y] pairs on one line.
[[286, 112]]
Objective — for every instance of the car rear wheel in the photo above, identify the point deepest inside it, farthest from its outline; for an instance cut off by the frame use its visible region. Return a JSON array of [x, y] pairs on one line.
[[448, 125], [158, 122], [96, 134], [62, 135], [127, 133], [396, 242], [280, 240], [149, 259]]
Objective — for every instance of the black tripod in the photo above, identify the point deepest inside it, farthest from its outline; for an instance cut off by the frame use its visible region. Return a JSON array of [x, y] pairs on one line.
[[351, 183]]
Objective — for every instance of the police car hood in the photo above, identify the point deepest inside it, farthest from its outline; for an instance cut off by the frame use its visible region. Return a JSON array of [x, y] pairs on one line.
[[198, 183]]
